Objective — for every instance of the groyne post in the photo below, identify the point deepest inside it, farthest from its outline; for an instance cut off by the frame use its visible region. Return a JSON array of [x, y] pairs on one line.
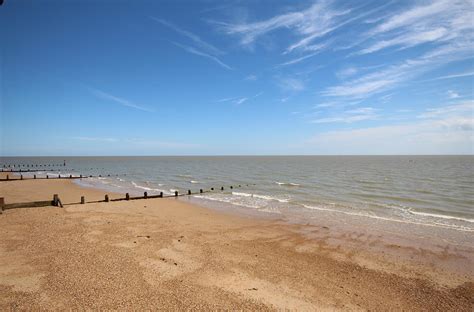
[[55, 200], [2, 203], [161, 194], [127, 196], [200, 191], [176, 193], [189, 192], [83, 200], [106, 198], [145, 195]]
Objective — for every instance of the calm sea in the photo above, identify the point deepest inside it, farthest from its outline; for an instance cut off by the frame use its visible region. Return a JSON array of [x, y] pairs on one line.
[[436, 191]]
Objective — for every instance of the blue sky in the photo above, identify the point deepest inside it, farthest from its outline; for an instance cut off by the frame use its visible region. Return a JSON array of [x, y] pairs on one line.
[[236, 77]]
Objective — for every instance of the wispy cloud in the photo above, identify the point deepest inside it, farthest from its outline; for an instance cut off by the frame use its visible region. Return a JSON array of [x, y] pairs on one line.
[[433, 21], [203, 54], [299, 59], [197, 40], [251, 77], [386, 78], [312, 23], [460, 75], [442, 130], [350, 116], [452, 94], [95, 139], [239, 100], [291, 84], [118, 100]]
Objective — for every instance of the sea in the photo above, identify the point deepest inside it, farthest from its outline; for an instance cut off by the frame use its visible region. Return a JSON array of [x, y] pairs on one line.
[[435, 192]]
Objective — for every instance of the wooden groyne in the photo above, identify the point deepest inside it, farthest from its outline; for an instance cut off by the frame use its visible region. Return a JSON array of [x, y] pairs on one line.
[[57, 202], [44, 203], [9, 178]]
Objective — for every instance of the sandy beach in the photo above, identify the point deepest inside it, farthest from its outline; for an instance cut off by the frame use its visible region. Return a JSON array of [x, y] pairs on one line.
[[170, 254]]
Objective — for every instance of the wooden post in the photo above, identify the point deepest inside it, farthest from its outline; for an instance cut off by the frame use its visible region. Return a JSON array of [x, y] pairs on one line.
[[81, 176], [127, 196], [34, 176], [212, 189], [59, 176], [189, 192], [200, 190], [175, 193], [106, 198], [145, 194], [55, 200], [47, 177], [2, 203], [231, 187], [8, 177], [21, 177], [83, 200], [161, 194], [222, 188], [70, 176]]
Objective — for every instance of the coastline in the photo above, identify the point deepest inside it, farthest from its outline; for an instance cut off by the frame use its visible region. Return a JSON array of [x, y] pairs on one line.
[[168, 253]]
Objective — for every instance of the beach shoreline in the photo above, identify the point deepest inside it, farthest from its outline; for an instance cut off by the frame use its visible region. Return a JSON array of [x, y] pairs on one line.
[[195, 257]]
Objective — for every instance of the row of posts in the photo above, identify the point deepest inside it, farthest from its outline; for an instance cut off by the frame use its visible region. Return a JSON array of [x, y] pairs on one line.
[[59, 176], [145, 194]]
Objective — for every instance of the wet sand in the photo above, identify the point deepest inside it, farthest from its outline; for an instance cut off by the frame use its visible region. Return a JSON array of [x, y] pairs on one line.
[[170, 254]]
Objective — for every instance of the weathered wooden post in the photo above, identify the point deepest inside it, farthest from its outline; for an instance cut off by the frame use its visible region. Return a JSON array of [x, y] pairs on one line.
[[212, 189], [81, 176], [55, 200], [189, 192], [100, 176], [175, 193], [59, 176], [8, 177], [222, 188], [83, 200], [231, 187], [34, 176], [70, 176], [47, 177], [21, 177], [161, 194], [2, 203], [145, 195], [106, 198], [127, 196], [200, 191]]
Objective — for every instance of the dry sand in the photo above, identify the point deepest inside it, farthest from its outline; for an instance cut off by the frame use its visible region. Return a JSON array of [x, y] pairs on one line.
[[169, 254]]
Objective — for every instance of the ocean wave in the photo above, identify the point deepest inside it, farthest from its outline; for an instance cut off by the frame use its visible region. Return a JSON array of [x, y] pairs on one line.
[[287, 183], [266, 197], [373, 216], [148, 188], [194, 182], [441, 216]]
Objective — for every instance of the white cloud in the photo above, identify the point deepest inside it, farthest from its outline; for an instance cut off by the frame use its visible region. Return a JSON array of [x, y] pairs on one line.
[[291, 84], [452, 94], [442, 130], [459, 75], [350, 116], [384, 79], [251, 78], [313, 22], [118, 100], [204, 45], [299, 59], [200, 53], [433, 21], [95, 139]]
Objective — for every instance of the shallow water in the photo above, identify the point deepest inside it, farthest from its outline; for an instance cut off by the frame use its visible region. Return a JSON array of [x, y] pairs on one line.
[[435, 191]]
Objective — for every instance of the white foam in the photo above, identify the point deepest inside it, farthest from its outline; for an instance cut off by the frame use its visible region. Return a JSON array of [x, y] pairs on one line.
[[287, 183], [372, 216], [194, 182], [435, 215], [266, 197]]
